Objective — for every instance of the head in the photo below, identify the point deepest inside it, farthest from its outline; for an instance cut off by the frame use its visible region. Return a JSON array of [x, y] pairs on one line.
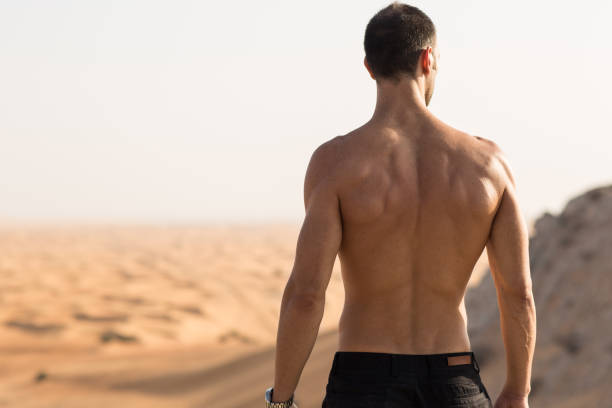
[[400, 44]]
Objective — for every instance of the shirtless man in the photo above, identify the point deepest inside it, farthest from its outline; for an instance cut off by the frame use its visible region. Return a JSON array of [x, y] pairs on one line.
[[408, 204]]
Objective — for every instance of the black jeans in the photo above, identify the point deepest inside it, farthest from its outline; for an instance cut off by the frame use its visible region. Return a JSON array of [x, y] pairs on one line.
[[385, 380]]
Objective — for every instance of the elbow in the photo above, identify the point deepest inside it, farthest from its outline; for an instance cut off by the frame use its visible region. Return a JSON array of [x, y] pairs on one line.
[[303, 297], [523, 294], [307, 301], [520, 292], [517, 301]]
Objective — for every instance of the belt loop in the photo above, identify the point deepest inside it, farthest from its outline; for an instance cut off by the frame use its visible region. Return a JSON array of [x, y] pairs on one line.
[[475, 363], [393, 366]]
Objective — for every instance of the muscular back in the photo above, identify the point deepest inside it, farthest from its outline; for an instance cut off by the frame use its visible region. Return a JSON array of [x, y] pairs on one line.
[[417, 206]]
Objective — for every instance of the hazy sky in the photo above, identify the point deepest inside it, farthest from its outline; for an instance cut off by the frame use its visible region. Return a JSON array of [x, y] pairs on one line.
[[210, 110]]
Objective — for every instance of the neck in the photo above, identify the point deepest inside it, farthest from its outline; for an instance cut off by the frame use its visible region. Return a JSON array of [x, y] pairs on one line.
[[401, 102]]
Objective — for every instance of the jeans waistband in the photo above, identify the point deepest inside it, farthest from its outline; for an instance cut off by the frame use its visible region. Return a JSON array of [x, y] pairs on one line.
[[394, 364]]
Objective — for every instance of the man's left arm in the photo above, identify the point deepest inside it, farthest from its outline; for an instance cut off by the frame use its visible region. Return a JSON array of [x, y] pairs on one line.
[[303, 300]]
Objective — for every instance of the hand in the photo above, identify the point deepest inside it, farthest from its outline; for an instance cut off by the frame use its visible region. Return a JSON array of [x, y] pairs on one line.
[[507, 400]]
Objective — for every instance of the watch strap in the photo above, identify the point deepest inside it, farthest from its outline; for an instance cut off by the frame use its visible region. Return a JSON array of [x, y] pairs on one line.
[[278, 404]]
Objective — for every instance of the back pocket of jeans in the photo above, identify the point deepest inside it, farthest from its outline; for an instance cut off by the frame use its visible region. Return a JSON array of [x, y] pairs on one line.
[[476, 401], [465, 394], [462, 389]]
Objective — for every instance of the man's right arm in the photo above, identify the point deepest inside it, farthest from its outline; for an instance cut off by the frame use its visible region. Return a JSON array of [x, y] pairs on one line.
[[508, 253]]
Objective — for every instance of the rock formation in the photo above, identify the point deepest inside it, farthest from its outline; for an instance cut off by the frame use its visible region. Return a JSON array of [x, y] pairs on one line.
[[571, 269]]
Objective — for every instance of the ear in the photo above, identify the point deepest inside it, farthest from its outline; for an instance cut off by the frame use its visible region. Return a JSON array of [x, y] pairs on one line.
[[427, 60], [365, 62]]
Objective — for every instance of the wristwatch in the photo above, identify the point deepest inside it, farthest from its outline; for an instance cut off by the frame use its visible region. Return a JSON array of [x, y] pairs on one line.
[[284, 404]]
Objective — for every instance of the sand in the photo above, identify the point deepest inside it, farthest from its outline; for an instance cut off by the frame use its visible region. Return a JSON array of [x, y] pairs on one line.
[[151, 315]]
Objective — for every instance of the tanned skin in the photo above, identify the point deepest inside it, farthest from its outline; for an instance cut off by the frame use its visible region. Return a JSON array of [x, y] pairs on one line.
[[408, 203]]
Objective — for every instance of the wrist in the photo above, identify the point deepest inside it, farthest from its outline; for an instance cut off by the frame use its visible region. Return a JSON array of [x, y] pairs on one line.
[[280, 396], [514, 394], [278, 401]]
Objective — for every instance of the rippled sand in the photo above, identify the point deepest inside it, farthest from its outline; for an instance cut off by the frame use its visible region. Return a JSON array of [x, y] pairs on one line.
[[141, 315]]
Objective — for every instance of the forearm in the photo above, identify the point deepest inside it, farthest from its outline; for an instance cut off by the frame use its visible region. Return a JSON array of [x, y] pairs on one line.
[[518, 326], [298, 327]]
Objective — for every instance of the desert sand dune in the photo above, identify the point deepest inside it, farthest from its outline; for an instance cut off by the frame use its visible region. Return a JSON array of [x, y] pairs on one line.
[[137, 315], [141, 315]]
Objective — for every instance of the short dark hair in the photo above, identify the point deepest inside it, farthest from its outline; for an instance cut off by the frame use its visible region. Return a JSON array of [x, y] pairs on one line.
[[395, 38]]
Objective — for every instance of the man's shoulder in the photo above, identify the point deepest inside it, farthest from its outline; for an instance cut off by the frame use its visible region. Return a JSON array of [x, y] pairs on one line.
[[484, 145], [326, 155], [497, 163], [498, 158], [487, 143], [489, 148], [323, 162], [327, 148]]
